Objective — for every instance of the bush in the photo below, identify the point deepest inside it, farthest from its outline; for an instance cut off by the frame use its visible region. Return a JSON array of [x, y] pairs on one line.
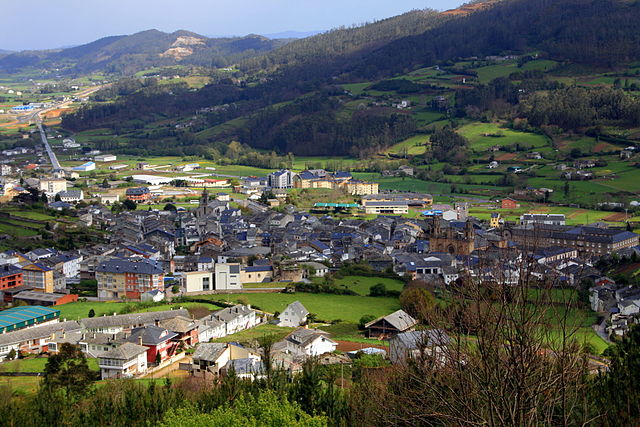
[[364, 320]]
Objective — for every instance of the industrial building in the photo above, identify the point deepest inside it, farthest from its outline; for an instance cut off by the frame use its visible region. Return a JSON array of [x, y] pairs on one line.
[[16, 318]]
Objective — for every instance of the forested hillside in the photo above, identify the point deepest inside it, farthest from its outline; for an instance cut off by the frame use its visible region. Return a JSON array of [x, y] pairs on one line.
[[125, 55], [299, 98]]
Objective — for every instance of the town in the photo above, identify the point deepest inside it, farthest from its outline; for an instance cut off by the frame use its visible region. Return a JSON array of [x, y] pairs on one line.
[[238, 237]]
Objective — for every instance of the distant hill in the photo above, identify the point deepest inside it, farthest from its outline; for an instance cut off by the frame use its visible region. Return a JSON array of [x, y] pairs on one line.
[[129, 54]]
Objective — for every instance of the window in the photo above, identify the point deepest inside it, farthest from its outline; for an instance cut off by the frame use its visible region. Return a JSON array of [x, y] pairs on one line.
[[205, 283]]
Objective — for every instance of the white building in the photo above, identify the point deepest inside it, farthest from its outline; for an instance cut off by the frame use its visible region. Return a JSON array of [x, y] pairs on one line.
[[124, 361], [52, 186], [70, 196], [227, 277], [105, 158], [197, 281], [108, 199], [152, 179], [280, 179], [86, 167]]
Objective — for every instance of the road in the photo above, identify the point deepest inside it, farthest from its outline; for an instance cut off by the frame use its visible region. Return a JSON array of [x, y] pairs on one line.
[[55, 164]]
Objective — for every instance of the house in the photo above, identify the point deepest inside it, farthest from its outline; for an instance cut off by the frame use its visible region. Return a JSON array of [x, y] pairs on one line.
[[159, 342], [509, 203], [124, 361], [126, 322], [247, 369], [34, 339], [71, 196], [236, 318], [306, 342], [417, 344], [223, 197], [154, 295], [514, 169], [212, 357], [293, 316], [128, 278], [315, 269], [390, 325], [186, 329]]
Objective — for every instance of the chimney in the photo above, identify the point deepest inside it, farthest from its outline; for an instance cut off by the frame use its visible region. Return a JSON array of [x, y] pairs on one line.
[[140, 339], [157, 322]]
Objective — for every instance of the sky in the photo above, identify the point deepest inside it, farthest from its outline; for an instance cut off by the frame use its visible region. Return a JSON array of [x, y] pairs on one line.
[[44, 24]]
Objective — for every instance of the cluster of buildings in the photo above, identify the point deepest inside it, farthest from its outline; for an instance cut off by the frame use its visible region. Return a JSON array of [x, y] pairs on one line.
[[319, 178]]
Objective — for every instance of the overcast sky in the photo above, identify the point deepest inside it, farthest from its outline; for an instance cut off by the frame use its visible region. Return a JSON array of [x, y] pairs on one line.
[[40, 24]]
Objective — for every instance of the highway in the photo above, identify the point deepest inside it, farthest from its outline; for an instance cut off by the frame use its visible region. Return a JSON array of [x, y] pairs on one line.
[[55, 164]]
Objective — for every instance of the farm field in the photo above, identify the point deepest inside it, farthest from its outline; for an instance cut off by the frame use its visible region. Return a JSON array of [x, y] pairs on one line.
[[414, 146], [250, 335], [481, 136], [574, 216]]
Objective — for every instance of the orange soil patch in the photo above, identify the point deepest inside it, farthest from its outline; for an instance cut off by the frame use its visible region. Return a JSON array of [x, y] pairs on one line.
[[506, 157], [601, 146], [52, 114], [354, 346], [616, 217]]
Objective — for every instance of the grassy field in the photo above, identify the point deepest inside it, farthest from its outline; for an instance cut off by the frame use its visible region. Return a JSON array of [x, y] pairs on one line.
[[36, 365], [574, 216], [361, 285], [251, 335], [481, 136], [414, 146], [327, 307], [79, 310]]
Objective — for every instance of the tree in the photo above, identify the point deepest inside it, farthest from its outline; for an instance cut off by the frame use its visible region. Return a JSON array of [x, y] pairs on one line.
[[364, 320], [57, 198], [617, 391], [378, 290], [92, 313], [266, 409], [12, 354], [68, 370], [175, 289], [170, 207], [130, 205]]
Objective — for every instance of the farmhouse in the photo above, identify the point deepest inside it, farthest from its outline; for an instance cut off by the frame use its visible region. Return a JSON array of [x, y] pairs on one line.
[[390, 325], [417, 344], [293, 316]]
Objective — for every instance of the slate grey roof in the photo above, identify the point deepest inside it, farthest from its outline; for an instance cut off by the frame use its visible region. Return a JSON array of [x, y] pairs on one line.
[[230, 313], [133, 319], [38, 332], [151, 335], [209, 351], [126, 351], [400, 320], [178, 324], [129, 266], [297, 308], [424, 338], [304, 337]]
